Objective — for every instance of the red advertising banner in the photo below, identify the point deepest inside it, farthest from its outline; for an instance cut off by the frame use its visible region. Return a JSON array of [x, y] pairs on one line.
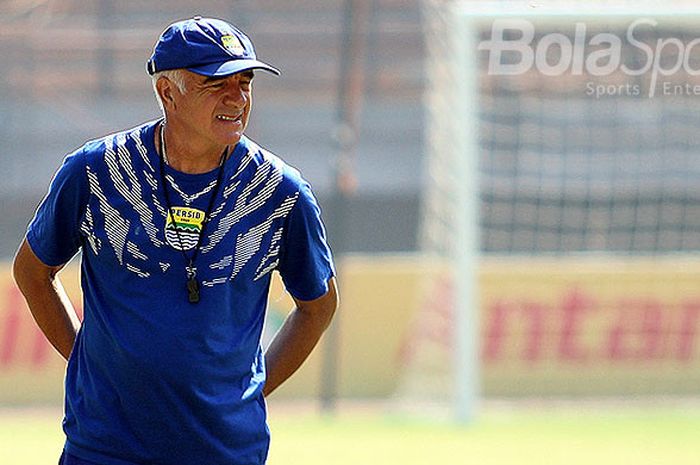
[[573, 327]]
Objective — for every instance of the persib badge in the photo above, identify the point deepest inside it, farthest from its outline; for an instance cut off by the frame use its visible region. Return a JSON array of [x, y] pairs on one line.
[[183, 226], [232, 44]]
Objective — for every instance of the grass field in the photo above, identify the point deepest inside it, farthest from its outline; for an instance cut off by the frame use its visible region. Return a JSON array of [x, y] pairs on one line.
[[572, 435]]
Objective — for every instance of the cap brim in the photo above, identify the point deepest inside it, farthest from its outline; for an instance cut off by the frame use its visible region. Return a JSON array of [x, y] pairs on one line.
[[232, 67]]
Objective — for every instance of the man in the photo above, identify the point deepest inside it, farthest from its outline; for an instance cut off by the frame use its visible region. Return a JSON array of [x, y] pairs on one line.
[[181, 222]]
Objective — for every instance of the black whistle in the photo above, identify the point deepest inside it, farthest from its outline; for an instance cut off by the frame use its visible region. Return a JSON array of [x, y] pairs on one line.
[[193, 290]]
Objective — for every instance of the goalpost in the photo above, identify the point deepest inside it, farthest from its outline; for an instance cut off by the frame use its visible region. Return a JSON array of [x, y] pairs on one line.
[[553, 131], [453, 160]]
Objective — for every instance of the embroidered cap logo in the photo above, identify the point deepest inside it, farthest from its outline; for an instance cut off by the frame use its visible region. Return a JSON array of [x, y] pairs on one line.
[[233, 44]]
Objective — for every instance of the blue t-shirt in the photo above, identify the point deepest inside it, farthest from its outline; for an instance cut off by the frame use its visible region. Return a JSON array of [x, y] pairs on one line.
[[154, 379]]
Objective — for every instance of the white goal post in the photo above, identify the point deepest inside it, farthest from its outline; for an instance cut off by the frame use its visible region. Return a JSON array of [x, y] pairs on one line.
[[540, 138]]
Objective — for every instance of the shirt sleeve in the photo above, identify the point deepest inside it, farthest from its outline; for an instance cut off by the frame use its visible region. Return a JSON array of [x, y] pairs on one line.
[[54, 232], [306, 262]]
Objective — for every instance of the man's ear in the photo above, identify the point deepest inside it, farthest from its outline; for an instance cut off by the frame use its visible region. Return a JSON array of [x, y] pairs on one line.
[[166, 90]]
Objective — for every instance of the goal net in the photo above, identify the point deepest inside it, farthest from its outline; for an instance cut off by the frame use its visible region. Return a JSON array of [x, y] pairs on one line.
[[563, 199]]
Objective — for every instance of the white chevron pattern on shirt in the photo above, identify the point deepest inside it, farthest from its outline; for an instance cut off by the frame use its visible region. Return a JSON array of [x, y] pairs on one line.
[[116, 227], [249, 243], [120, 171], [266, 175], [87, 227], [267, 263]]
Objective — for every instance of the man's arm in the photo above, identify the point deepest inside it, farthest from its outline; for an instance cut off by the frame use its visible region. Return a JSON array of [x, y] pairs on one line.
[[46, 298], [298, 336]]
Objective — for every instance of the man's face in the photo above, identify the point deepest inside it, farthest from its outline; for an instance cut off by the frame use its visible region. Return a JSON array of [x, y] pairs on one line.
[[214, 110]]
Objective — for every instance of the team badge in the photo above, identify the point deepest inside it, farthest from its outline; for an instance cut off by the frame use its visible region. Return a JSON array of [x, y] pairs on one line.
[[186, 223], [233, 44]]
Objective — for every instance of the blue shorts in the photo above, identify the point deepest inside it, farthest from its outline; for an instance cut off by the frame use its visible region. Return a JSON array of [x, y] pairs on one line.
[[67, 459]]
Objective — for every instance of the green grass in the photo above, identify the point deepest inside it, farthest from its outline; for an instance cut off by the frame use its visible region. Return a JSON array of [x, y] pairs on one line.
[[651, 436]]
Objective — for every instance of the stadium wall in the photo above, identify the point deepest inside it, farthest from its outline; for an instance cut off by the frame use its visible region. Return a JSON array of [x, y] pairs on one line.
[[578, 326]]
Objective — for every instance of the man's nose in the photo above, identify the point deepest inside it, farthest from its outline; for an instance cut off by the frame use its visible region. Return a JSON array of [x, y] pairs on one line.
[[235, 94]]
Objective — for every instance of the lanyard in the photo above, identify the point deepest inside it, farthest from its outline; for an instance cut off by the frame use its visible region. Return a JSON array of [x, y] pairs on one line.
[[190, 271]]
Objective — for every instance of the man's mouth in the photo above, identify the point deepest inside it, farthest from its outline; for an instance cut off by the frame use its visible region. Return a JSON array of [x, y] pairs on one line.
[[233, 118]]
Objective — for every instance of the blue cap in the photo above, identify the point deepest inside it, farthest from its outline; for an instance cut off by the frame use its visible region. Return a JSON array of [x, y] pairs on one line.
[[210, 47]]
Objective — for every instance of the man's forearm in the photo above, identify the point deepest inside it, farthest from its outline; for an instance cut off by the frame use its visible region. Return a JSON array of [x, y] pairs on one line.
[[55, 316], [47, 300], [298, 336], [291, 347]]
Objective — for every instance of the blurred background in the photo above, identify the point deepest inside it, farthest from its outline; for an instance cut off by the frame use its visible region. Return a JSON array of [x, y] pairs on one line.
[[350, 96], [580, 192], [75, 70]]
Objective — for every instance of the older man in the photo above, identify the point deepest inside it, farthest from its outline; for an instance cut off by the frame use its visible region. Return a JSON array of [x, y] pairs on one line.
[[181, 222]]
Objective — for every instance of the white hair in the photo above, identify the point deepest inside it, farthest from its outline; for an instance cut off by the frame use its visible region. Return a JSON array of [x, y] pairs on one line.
[[176, 76]]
